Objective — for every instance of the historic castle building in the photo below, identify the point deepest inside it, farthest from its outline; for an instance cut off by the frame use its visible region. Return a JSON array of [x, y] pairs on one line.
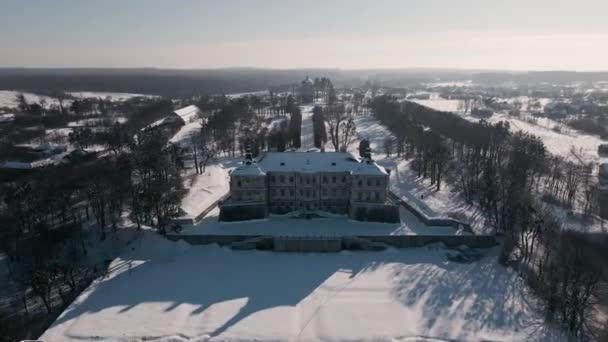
[[331, 182]]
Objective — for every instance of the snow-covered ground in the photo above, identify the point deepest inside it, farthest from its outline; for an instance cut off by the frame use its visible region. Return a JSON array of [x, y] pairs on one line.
[[171, 291], [565, 142], [329, 226], [307, 140], [405, 183], [447, 201], [255, 93], [439, 104], [96, 121], [8, 98], [114, 97]]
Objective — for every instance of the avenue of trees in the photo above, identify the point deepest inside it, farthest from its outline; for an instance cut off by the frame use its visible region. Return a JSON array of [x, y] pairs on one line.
[[517, 184]]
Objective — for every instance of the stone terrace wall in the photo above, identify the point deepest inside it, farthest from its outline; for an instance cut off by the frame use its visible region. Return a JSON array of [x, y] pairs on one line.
[[429, 221], [324, 243]]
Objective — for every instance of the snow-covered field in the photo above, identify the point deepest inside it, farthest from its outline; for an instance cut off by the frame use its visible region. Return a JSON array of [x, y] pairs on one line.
[[115, 97], [566, 142], [251, 93], [8, 98], [439, 104], [171, 291], [96, 121]]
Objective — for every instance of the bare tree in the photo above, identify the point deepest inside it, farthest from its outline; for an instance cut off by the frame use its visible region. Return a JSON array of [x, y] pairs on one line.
[[341, 126], [389, 143]]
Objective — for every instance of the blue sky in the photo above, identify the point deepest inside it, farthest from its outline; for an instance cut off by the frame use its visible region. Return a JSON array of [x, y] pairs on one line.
[[515, 34]]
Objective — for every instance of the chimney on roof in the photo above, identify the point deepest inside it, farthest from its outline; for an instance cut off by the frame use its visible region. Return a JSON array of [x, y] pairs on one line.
[[248, 156], [367, 156]]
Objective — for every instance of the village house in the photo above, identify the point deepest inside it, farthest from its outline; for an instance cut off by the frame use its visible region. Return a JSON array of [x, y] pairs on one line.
[[175, 119]]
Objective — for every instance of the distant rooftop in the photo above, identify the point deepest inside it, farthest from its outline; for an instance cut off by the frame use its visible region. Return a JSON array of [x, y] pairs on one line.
[[187, 113]]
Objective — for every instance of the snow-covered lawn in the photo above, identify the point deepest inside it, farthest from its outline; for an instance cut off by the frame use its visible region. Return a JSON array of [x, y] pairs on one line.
[[328, 226], [171, 291]]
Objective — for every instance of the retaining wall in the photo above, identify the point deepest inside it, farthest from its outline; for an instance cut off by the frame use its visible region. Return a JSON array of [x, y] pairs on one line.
[[325, 244], [297, 244], [196, 219], [427, 220]]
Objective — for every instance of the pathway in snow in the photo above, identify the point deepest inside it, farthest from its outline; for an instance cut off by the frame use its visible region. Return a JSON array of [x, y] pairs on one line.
[[308, 140]]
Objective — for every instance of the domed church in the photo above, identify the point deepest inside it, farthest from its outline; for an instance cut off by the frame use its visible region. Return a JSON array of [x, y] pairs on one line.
[[307, 91]]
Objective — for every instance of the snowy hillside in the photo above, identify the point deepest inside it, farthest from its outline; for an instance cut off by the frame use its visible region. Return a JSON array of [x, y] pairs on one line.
[[166, 291]]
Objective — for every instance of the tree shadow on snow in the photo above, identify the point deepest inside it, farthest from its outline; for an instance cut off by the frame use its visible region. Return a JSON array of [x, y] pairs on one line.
[[482, 296], [206, 276]]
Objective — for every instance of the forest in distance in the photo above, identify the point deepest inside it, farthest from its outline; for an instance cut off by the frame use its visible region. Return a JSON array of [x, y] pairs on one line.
[[192, 82]]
